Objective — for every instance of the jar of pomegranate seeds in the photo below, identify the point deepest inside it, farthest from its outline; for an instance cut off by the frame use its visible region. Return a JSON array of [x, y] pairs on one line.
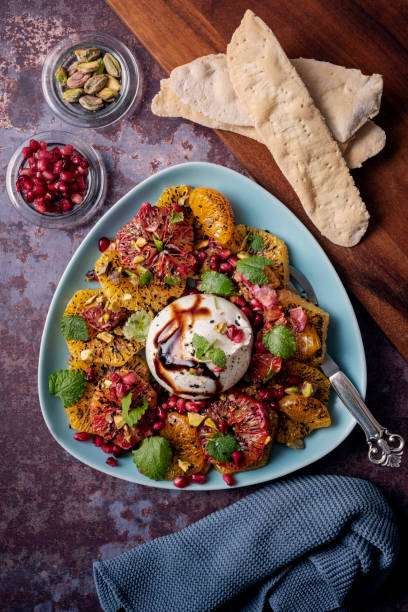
[[56, 180], [63, 56]]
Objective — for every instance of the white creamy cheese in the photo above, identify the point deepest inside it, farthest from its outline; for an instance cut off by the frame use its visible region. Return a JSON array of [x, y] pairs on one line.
[[177, 324]]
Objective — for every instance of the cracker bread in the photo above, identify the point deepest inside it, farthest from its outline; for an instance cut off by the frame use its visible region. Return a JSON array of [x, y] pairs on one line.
[[367, 142], [295, 132]]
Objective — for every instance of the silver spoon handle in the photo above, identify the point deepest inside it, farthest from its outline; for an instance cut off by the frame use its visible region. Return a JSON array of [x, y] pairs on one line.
[[384, 448]]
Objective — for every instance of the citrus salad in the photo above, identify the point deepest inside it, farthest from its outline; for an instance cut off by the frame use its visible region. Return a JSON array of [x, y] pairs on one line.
[[192, 352]]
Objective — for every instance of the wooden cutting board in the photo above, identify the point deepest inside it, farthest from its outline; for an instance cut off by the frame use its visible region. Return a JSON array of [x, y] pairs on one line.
[[362, 34]]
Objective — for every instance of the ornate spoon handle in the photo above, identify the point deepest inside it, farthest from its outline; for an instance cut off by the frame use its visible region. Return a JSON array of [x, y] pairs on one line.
[[384, 448]]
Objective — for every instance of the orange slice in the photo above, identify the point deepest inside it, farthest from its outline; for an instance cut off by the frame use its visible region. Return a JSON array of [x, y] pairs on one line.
[[214, 213], [186, 447], [177, 194]]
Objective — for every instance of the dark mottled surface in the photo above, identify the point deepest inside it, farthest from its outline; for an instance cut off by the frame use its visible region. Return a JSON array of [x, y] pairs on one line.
[[58, 515]]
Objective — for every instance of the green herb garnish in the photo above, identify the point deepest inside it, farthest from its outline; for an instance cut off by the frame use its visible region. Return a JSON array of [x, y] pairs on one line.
[[205, 351], [158, 243], [137, 326], [255, 242], [101, 68], [176, 217], [153, 457], [280, 342], [74, 328], [214, 282], [68, 385], [145, 278], [134, 416], [171, 280], [221, 446], [252, 268]]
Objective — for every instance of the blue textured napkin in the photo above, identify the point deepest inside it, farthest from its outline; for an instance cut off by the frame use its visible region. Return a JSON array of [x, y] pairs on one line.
[[314, 543]]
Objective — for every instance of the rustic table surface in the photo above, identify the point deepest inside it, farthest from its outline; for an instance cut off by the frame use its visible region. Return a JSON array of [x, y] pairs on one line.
[[56, 514]]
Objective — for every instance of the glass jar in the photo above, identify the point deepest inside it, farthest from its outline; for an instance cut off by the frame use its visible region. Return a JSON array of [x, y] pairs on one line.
[[96, 183], [63, 55]]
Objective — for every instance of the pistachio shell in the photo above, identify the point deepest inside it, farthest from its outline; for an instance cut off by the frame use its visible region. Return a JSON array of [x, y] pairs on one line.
[[72, 68], [107, 94], [88, 66], [113, 83], [112, 65], [87, 55], [61, 75], [91, 103], [95, 83], [72, 95], [78, 79]]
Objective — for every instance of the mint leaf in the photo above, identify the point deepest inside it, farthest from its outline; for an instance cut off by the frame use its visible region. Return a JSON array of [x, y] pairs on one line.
[[68, 385], [214, 282], [280, 342], [74, 328], [158, 243], [153, 457], [205, 351], [145, 278], [221, 446], [255, 242], [171, 280], [137, 326], [176, 217], [218, 357], [134, 416], [253, 269]]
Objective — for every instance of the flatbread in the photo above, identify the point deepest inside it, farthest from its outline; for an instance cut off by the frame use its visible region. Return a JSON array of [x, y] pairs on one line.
[[367, 142], [346, 97], [295, 132]]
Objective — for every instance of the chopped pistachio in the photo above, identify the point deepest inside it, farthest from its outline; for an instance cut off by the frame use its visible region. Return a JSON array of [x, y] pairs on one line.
[[119, 422], [201, 245], [87, 55], [296, 444], [184, 465], [210, 423], [141, 241], [290, 390], [87, 355], [138, 259], [105, 337], [195, 419], [113, 83], [221, 327], [307, 389], [242, 255]]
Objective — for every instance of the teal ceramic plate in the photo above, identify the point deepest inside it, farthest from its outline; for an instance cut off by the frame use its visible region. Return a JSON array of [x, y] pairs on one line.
[[254, 206]]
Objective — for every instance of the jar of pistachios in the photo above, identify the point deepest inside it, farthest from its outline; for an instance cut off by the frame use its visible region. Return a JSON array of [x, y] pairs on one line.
[[91, 80]]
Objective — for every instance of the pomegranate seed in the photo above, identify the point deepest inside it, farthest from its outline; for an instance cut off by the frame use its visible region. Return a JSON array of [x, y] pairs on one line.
[[26, 172], [248, 312], [115, 377], [129, 380], [18, 186], [265, 394], [26, 184], [198, 478], [43, 145], [90, 374], [56, 152], [232, 261], [165, 406], [90, 275], [158, 425], [84, 163], [67, 150], [161, 414], [222, 426], [81, 171], [213, 260], [293, 380], [172, 401], [202, 256], [258, 320], [217, 369], [26, 152], [107, 448], [231, 331], [192, 407], [260, 347], [39, 191], [278, 392], [76, 198], [76, 160], [60, 186], [176, 207], [237, 456], [66, 205], [29, 196], [228, 479], [192, 291], [32, 162], [48, 176], [181, 405], [256, 305], [57, 167], [103, 243], [67, 177], [181, 271], [181, 482], [98, 441], [120, 390], [39, 205], [201, 403], [239, 301], [274, 405], [225, 268], [117, 451], [83, 436], [206, 456], [42, 165], [239, 336], [34, 144], [112, 462], [80, 182], [224, 254]]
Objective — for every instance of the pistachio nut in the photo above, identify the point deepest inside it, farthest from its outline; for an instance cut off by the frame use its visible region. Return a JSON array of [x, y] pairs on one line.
[[113, 83], [87, 55], [95, 83], [72, 95], [61, 75], [112, 65], [88, 66], [101, 68], [78, 79], [108, 95], [91, 103], [72, 68]]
